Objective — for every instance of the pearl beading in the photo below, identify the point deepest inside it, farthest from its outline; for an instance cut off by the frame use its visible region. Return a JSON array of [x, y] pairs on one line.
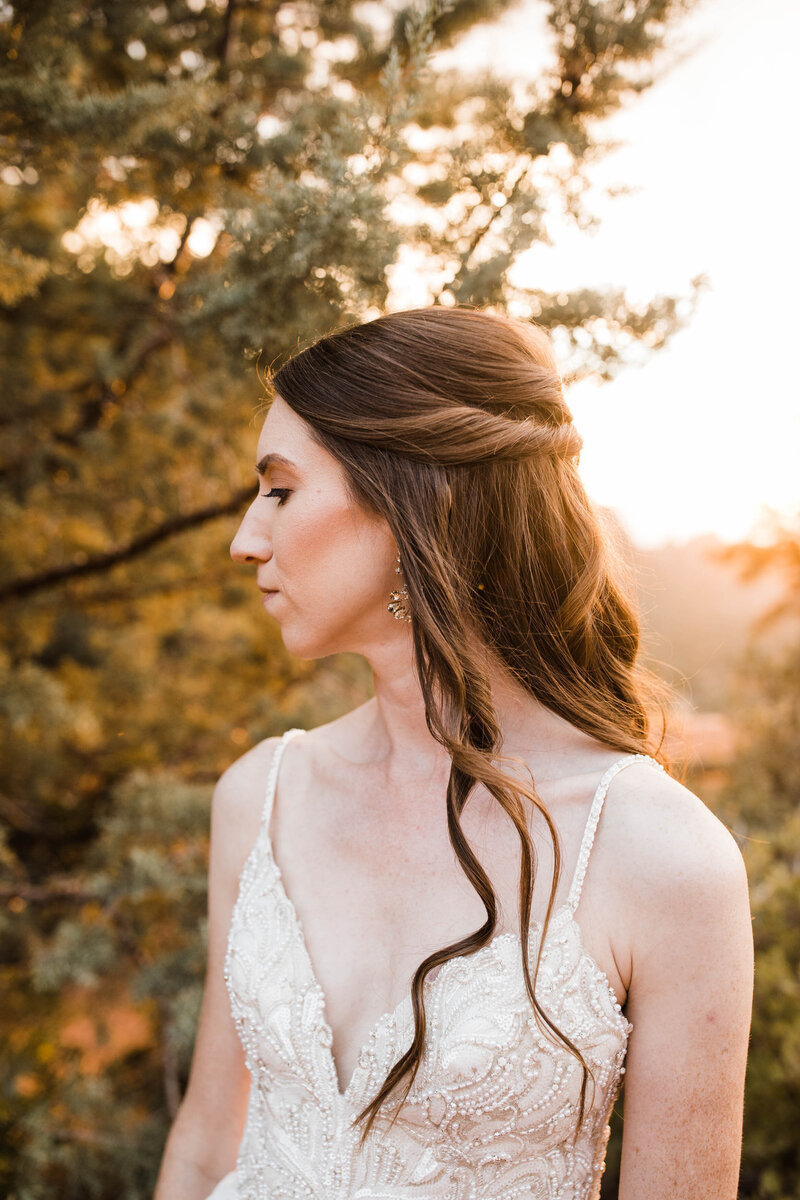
[[492, 1112]]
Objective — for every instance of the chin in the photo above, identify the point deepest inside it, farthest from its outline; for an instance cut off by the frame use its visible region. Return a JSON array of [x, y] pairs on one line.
[[304, 643]]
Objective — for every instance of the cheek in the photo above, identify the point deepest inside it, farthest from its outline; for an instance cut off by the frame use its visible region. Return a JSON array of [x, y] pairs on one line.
[[331, 553]]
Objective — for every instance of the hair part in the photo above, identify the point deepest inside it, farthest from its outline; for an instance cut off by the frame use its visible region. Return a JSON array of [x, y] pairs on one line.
[[451, 424]]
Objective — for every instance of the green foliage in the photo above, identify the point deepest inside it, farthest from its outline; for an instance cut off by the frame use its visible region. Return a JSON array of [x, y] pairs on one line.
[[131, 945], [762, 803], [190, 188], [97, 1153]]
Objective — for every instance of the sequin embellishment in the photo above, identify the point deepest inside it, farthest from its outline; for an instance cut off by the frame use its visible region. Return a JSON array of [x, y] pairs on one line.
[[491, 1114]]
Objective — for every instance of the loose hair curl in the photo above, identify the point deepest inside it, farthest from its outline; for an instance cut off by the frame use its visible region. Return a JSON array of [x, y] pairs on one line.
[[451, 424]]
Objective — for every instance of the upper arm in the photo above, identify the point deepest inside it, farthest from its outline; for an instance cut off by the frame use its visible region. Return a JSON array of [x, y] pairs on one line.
[[216, 1096], [689, 1000]]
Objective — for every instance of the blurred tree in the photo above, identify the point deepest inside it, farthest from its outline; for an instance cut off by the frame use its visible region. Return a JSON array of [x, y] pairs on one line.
[[762, 805], [185, 186]]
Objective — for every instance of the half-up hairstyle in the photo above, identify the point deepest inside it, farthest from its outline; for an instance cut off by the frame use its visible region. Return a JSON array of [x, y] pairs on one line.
[[451, 424]]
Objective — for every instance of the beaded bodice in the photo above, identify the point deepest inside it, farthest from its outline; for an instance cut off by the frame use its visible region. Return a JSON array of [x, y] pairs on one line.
[[492, 1112]]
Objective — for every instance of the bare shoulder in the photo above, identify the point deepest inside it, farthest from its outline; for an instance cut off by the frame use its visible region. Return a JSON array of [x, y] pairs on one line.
[[240, 791], [237, 804], [666, 841], [247, 772], [675, 870]]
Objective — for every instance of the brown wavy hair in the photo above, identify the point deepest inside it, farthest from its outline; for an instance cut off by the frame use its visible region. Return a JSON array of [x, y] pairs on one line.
[[451, 424]]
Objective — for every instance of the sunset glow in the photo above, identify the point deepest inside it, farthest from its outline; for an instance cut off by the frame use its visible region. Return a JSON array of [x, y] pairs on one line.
[[707, 433]]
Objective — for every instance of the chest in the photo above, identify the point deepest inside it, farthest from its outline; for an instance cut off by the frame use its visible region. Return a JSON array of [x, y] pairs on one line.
[[484, 1049], [375, 888]]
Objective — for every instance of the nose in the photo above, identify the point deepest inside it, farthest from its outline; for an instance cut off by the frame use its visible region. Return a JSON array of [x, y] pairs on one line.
[[249, 543]]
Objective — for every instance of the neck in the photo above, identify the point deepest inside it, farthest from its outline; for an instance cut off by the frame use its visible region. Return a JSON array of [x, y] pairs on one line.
[[396, 730]]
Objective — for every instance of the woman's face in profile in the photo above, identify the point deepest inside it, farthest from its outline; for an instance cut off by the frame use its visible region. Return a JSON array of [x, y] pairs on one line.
[[330, 563]]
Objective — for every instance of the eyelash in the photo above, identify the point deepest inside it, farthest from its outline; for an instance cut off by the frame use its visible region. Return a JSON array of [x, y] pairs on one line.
[[282, 492]]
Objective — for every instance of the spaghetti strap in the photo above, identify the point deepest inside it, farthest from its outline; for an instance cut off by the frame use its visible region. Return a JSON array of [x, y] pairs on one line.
[[272, 777], [296, 1141], [591, 824]]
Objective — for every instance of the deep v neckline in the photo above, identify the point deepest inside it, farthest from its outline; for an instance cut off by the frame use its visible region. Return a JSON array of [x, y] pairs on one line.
[[392, 1015], [565, 909]]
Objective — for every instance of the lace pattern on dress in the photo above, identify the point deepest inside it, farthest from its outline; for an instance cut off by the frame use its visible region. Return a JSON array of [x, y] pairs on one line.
[[492, 1112]]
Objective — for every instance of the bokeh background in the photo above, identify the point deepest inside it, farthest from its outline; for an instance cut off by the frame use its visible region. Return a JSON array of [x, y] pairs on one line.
[[190, 189]]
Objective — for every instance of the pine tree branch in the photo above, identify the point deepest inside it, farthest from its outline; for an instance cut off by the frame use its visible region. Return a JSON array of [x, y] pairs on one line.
[[484, 229], [85, 1137], [21, 821], [227, 42], [33, 893], [104, 562], [92, 412], [131, 595]]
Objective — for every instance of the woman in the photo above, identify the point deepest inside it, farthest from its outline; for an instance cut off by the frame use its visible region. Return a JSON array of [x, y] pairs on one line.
[[430, 959]]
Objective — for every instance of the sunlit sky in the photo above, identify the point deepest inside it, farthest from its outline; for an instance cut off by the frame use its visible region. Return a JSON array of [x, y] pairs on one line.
[[707, 433]]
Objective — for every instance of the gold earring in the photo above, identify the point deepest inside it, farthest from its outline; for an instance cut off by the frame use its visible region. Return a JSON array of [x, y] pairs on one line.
[[397, 605]]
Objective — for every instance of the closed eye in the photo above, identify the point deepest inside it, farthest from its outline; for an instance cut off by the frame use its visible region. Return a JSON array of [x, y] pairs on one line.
[[281, 492]]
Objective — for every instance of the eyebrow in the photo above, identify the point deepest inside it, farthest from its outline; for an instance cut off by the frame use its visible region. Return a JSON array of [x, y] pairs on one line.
[[268, 459]]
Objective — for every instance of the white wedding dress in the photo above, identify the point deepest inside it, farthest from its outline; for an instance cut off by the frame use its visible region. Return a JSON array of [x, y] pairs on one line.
[[492, 1112]]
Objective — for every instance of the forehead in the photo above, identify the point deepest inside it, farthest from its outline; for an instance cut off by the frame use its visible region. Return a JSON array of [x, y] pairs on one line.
[[285, 435]]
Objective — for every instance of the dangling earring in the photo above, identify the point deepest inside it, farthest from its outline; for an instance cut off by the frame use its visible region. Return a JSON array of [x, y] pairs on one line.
[[398, 600]]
